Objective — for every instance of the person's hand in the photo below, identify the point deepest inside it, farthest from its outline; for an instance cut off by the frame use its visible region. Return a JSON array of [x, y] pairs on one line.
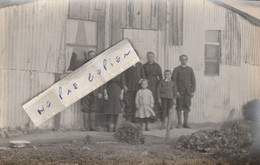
[[121, 96], [125, 88], [99, 95], [160, 101], [178, 94], [174, 101], [191, 94], [105, 97]]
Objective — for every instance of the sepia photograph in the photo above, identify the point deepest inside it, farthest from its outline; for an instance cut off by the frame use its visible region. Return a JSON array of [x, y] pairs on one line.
[[146, 82]]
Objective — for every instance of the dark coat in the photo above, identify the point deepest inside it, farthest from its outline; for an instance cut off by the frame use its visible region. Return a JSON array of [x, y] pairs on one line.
[[76, 61], [133, 76], [114, 87], [185, 79], [166, 89]]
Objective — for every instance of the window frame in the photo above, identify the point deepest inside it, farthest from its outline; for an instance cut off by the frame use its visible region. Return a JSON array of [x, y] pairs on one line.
[[218, 57]]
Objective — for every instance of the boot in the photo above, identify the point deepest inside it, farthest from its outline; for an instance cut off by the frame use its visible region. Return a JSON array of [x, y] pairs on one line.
[[167, 124], [163, 124], [108, 122], [85, 121], [186, 116], [146, 125], [115, 118], [179, 119], [91, 118]]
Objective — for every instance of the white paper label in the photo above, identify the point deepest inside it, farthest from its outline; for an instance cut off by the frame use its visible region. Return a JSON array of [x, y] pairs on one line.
[[81, 82]]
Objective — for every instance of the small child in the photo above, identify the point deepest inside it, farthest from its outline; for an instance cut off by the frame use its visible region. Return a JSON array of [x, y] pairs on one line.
[[144, 103], [166, 93]]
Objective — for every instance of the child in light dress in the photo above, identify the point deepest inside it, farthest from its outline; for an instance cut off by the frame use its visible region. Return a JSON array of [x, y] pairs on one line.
[[144, 103]]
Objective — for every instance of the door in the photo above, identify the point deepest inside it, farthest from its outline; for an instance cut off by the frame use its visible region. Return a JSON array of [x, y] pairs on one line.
[[143, 41]]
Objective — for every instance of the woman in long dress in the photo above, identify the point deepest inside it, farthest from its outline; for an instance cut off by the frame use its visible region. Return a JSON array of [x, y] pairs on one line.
[[113, 93], [153, 74]]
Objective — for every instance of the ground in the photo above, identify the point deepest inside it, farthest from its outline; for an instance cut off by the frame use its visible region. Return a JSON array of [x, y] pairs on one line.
[[80, 147]]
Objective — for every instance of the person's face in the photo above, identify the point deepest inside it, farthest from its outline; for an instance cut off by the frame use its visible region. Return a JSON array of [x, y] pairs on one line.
[[91, 55], [144, 85], [168, 75], [150, 57], [183, 60]]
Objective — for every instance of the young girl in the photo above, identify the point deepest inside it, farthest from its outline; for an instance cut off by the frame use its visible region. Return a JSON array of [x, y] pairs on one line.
[[144, 103]]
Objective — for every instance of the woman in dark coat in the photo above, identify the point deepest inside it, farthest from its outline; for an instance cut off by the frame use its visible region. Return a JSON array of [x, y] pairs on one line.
[[113, 93], [153, 74], [132, 76]]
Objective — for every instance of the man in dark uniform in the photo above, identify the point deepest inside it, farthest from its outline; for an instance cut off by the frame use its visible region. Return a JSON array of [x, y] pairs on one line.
[[153, 74], [132, 76], [184, 78]]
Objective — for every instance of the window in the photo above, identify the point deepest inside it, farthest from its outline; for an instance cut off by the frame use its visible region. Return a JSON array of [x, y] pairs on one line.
[[80, 39], [212, 52]]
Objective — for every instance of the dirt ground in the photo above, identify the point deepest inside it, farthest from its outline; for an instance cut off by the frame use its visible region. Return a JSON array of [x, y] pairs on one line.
[[103, 150], [79, 147]]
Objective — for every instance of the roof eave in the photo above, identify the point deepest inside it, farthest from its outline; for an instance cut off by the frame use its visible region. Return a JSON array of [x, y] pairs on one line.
[[243, 14]]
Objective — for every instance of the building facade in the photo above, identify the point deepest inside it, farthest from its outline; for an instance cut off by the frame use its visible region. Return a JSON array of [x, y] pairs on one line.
[[37, 40]]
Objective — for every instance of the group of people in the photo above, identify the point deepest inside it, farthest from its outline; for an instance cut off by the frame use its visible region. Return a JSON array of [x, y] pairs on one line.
[[141, 93]]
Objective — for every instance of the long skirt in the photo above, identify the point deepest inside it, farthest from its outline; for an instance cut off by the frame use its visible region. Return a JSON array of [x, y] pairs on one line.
[[114, 105]]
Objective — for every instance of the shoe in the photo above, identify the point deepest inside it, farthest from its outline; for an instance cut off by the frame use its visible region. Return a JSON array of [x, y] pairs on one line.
[[179, 115], [186, 116], [91, 120], [163, 125], [186, 126], [114, 128], [92, 129], [108, 128], [179, 125]]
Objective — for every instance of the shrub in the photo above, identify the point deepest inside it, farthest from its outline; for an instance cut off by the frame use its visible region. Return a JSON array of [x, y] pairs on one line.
[[251, 110], [88, 140], [129, 133]]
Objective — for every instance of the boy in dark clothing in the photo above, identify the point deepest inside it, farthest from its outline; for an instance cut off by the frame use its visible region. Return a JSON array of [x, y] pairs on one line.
[[166, 93], [184, 78]]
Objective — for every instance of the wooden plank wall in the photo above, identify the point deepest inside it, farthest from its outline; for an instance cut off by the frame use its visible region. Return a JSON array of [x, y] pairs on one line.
[[148, 15], [90, 10], [32, 53], [239, 69], [130, 14], [250, 39], [231, 51], [34, 47], [32, 42]]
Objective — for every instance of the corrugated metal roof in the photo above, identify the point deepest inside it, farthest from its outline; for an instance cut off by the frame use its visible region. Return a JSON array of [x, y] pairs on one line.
[[7, 3], [250, 10]]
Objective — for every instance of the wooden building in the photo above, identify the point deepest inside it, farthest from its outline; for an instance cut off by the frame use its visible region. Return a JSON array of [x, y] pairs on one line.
[[37, 40]]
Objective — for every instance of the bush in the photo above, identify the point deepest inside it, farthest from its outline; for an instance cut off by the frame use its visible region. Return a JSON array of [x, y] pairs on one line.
[[251, 110], [129, 133], [88, 140], [233, 140]]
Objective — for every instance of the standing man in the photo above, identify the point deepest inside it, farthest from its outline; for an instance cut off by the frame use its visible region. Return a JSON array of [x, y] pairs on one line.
[[184, 78], [89, 103], [132, 76], [153, 74]]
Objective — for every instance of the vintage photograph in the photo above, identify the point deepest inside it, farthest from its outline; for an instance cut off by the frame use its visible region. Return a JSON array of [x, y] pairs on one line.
[[192, 98]]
